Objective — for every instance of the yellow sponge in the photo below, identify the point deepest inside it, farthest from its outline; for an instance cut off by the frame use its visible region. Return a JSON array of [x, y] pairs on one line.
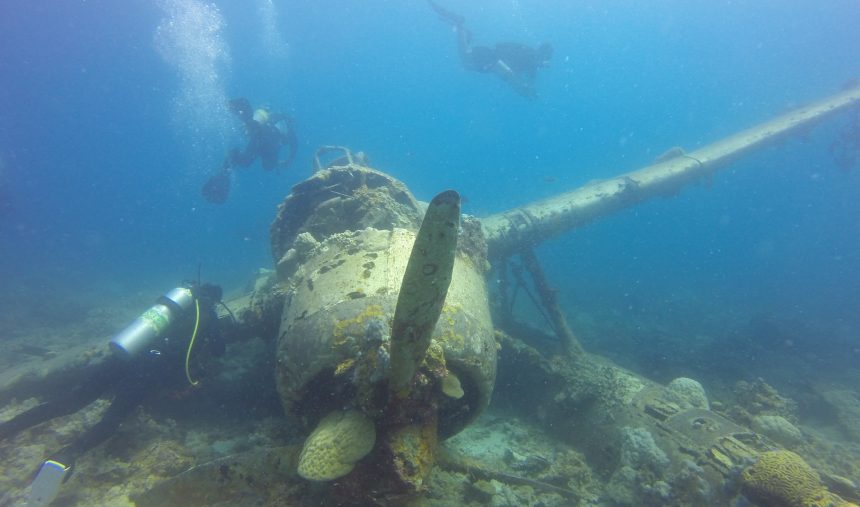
[[337, 443]]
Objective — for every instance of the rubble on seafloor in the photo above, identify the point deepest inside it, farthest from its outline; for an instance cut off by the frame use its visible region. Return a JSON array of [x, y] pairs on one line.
[[190, 451], [503, 460]]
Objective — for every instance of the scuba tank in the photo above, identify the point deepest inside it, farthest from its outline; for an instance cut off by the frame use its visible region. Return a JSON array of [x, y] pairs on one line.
[[127, 344], [138, 335]]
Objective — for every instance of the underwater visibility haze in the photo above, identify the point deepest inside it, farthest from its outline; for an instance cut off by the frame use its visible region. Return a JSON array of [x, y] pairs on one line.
[[130, 166]]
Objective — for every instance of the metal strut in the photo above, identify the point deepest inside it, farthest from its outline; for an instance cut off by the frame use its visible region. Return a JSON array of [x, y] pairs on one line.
[[548, 296]]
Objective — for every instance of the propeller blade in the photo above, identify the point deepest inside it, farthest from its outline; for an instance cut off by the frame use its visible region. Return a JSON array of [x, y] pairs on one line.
[[423, 289]]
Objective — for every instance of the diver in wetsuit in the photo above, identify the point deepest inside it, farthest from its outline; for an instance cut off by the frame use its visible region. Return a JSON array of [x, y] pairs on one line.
[[267, 132], [516, 64], [152, 357]]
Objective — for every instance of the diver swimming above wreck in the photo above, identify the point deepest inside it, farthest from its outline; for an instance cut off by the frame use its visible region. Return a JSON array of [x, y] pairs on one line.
[[267, 133], [514, 63]]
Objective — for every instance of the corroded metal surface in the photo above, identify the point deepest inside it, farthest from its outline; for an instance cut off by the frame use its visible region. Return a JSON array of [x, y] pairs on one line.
[[423, 289], [342, 261], [351, 281]]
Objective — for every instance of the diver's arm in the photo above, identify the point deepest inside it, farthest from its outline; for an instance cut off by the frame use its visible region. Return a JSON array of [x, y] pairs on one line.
[[236, 158], [288, 138], [276, 117], [521, 84]]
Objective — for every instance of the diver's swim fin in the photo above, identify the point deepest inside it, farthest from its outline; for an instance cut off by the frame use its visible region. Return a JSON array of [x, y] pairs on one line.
[[445, 14], [47, 483], [217, 188]]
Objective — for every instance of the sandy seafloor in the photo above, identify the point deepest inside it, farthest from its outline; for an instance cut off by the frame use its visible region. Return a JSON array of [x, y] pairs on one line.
[[238, 411]]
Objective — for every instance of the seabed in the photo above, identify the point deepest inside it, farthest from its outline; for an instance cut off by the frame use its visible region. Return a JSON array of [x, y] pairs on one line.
[[230, 444]]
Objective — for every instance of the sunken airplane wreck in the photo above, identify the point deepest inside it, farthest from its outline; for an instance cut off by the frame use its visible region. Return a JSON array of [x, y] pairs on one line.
[[386, 345]]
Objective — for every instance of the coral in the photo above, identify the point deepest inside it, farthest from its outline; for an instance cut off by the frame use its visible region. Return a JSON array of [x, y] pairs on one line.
[[434, 360], [449, 338], [375, 332], [348, 331], [451, 386], [688, 393], [481, 491], [337, 443], [613, 386], [412, 450], [623, 486], [164, 458], [435, 364], [760, 398], [638, 450], [782, 478], [369, 365], [778, 428], [472, 242], [846, 406], [383, 361], [370, 355], [259, 312], [689, 485], [640, 473]]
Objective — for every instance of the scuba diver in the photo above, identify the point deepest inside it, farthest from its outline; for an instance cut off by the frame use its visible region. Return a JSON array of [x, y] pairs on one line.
[[267, 132], [516, 64], [152, 354]]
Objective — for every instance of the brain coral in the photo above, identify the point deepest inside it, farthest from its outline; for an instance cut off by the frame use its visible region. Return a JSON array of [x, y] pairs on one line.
[[783, 479], [337, 443], [688, 392]]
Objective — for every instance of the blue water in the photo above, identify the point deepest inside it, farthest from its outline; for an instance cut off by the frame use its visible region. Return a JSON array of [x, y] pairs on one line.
[[112, 115]]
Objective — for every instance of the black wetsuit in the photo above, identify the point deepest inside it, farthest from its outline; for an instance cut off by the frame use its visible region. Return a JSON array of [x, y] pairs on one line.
[[265, 139], [517, 64], [129, 381]]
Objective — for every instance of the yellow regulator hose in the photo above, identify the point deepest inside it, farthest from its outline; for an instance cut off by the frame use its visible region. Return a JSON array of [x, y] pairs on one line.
[[191, 344]]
